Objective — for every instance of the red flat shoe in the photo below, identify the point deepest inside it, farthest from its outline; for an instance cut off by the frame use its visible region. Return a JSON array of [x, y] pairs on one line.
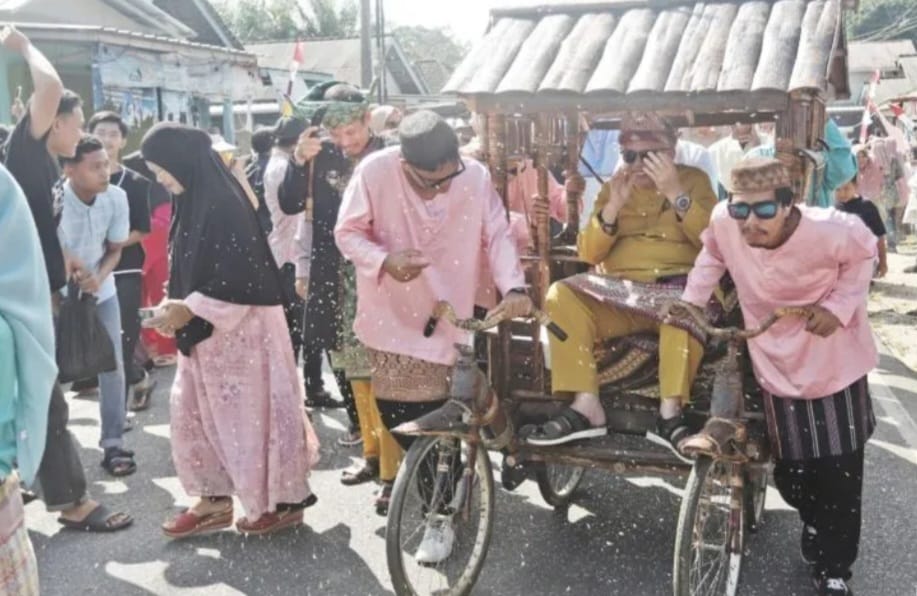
[[271, 522], [187, 524]]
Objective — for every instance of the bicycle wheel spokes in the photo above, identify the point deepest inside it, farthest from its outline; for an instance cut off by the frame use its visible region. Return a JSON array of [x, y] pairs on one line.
[[712, 566], [429, 506]]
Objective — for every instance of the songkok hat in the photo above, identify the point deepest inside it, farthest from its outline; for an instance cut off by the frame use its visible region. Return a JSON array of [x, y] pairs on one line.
[[759, 174], [647, 126]]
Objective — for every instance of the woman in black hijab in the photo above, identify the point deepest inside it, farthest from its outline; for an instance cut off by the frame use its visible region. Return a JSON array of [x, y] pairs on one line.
[[237, 418]]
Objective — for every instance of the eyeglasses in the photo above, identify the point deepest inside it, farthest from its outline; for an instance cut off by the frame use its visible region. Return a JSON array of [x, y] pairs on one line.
[[436, 184], [631, 156], [762, 209]]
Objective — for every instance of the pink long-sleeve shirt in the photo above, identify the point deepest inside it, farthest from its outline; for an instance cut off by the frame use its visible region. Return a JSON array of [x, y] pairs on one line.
[[381, 214], [828, 261]]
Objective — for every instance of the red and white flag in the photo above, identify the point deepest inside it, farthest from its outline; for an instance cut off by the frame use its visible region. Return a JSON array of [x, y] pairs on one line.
[[295, 64], [868, 104]]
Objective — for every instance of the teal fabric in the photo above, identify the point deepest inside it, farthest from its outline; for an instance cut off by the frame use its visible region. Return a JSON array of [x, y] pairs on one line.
[[840, 165], [8, 387], [27, 365]]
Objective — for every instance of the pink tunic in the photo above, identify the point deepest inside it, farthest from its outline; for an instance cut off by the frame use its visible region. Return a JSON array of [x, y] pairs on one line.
[[237, 417], [828, 261], [382, 214]]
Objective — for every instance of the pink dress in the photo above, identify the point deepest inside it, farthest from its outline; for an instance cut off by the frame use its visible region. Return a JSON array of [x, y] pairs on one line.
[[237, 417]]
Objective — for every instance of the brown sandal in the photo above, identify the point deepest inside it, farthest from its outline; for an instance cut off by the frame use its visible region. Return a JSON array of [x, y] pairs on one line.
[[187, 523], [720, 439], [271, 522]]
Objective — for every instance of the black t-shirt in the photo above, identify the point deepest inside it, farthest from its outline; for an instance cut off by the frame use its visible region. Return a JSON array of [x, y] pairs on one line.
[[138, 201], [39, 175], [867, 211]]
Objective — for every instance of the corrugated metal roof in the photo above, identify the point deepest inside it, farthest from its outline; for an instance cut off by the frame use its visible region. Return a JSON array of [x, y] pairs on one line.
[[654, 48]]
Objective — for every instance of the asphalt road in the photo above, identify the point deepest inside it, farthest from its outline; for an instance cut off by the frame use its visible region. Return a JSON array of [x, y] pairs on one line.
[[617, 538]]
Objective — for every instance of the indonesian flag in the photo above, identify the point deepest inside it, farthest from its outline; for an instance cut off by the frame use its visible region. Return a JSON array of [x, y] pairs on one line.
[[868, 104], [294, 65]]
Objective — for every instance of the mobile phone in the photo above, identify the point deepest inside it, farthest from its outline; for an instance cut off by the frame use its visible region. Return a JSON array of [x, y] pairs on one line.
[[148, 313]]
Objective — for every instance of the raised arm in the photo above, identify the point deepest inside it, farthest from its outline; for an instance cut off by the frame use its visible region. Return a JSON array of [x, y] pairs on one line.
[[48, 87]]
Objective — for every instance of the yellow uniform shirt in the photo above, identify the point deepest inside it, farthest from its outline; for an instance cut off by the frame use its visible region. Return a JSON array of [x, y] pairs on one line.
[[650, 241]]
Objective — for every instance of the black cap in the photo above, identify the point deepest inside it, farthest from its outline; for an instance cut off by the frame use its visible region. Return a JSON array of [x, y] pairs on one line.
[[288, 129]]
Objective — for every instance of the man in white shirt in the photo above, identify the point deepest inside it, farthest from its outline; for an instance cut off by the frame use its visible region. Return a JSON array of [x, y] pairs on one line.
[[730, 150], [95, 224]]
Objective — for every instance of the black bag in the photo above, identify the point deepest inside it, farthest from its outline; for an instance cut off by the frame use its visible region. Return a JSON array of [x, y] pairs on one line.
[[83, 347]]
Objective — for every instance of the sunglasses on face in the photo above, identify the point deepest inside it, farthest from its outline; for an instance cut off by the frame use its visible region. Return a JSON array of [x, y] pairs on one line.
[[630, 156], [762, 210], [436, 184]]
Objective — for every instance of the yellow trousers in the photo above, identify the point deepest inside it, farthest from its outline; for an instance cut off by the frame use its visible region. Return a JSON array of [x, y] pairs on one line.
[[588, 321], [378, 443]]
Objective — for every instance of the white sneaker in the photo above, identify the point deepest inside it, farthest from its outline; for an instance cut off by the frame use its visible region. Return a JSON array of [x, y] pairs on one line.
[[438, 538]]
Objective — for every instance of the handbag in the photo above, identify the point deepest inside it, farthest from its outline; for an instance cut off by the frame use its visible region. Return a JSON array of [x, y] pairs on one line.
[[84, 348]]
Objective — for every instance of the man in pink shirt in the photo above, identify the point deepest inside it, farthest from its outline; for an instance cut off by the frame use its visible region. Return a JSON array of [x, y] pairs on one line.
[[812, 371], [415, 221]]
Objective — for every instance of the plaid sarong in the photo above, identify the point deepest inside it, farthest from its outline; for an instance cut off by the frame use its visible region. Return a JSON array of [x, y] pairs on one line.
[[18, 568]]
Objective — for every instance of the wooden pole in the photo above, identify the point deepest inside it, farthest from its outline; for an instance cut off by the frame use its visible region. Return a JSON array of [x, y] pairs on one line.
[[495, 152], [574, 199], [794, 133], [542, 235]]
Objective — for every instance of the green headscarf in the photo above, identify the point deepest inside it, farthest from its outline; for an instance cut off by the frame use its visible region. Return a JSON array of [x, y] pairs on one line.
[[315, 109]]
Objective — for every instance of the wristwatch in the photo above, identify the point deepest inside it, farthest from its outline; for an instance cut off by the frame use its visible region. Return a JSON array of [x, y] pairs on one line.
[[682, 203]]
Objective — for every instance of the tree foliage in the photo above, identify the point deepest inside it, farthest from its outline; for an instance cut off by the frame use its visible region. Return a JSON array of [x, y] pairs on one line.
[[263, 20], [424, 43], [879, 20]]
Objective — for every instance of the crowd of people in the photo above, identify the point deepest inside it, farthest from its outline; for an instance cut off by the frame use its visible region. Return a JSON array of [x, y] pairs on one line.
[[333, 245]]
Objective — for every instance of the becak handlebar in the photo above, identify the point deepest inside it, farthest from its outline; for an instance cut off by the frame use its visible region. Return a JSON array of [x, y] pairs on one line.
[[444, 310], [676, 307]]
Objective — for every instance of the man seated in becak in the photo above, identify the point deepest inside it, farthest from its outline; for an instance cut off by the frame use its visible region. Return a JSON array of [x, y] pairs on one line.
[[642, 239]]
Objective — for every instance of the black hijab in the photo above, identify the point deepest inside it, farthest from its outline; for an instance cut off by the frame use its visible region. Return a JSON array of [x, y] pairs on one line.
[[217, 247]]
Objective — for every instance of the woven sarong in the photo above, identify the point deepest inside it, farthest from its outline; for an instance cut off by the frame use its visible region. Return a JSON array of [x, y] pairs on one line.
[[644, 299], [397, 377], [18, 568]]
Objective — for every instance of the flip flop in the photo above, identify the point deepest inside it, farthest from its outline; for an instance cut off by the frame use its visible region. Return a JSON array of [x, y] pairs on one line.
[[98, 521]]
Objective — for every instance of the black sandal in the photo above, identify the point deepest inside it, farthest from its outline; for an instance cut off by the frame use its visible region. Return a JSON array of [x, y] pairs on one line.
[[141, 398], [360, 473], [301, 506], [100, 520], [384, 498], [669, 433], [569, 425], [119, 462]]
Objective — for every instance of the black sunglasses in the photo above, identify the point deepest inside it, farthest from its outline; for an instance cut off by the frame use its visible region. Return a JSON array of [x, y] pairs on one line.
[[629, 156], [436, 184], [762, 209]]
